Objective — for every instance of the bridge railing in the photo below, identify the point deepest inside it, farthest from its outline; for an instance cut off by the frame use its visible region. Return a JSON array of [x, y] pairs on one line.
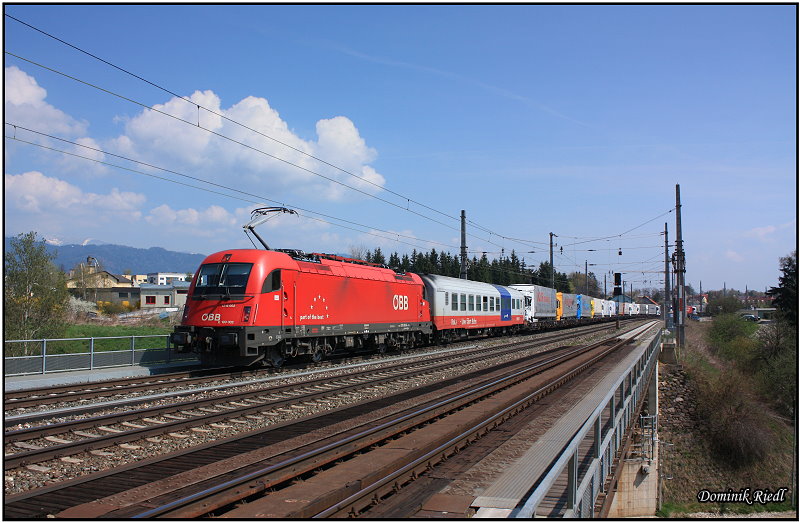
[[622, 399], [89, 353]]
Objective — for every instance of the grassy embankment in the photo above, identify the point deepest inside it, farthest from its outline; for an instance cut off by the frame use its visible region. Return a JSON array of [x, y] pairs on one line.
[[100, 330], [727, 421]]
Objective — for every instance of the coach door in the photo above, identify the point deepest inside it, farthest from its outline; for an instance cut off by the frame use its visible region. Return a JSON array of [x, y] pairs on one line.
[[505, 303]]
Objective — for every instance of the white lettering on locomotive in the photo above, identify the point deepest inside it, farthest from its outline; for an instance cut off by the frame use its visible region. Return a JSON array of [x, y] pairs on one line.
[[400, 302], [211, 317]]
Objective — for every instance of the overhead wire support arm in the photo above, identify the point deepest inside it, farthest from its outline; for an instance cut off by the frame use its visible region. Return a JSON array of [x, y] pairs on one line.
[[261, 215]]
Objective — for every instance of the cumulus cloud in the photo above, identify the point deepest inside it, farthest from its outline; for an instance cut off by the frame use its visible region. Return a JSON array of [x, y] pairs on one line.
[[25, 105], [262, 154], [213, 221], [34, 192]]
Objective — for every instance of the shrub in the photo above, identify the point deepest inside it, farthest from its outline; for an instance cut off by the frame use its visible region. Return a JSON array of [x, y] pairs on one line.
[[777, 380], [737, 428], [728, 327]]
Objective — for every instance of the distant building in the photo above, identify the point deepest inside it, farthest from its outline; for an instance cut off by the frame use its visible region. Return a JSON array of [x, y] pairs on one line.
[[138, 279], [166, 278], [163, 296]]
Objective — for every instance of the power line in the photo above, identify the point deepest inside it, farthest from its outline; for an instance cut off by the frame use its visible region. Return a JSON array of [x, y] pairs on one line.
[[226, 118], [590, 240], [242, 144], [260, 198], [172, 93]]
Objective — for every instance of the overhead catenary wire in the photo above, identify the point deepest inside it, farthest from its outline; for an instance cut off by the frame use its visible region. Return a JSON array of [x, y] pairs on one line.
[[407, 199], [401, 207], [231, 120], [260, 199]]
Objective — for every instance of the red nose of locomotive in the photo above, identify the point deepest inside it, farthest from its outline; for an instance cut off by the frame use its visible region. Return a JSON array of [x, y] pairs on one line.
[[223, 303]]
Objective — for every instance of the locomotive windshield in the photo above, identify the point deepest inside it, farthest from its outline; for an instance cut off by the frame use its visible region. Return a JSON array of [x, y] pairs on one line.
[[222, 279]]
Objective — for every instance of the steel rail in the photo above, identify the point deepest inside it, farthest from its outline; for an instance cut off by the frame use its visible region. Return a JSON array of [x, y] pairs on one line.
[[367, 437], [70, 448], [441, 450]]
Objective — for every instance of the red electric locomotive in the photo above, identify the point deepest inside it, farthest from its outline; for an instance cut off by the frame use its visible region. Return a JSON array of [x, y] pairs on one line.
[[251, 306]]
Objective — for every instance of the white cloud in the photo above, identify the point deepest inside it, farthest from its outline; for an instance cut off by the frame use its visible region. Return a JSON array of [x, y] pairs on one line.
[[25, 105], [33, 192], [251, 159], [210, 222]]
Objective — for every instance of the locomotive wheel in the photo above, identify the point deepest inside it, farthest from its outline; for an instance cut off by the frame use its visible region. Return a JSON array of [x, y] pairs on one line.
[[317, 355], [277, 360], [382, 348]]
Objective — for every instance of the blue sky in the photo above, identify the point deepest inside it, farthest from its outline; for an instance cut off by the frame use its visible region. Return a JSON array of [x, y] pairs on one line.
[[577, 120]]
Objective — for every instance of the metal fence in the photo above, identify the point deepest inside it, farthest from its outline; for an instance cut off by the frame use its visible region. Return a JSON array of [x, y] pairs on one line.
[[584, 486], [95, 352]]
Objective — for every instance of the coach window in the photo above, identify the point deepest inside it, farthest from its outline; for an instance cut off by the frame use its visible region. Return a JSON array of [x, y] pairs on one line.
[[485, 304], [272, 282], [455, 302], [477, 303], [471, 303], [463, 302]]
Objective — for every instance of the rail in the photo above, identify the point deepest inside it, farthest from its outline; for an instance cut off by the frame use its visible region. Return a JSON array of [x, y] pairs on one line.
[[44, 362], [630, 387]]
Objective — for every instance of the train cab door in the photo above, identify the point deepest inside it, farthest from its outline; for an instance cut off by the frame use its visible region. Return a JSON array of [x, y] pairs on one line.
[[288, 302]]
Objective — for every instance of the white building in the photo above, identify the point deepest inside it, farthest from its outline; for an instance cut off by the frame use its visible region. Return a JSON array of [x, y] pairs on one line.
[[166, 278]]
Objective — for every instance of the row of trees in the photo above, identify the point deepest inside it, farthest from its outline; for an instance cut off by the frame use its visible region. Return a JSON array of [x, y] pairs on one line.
[[507, 270]]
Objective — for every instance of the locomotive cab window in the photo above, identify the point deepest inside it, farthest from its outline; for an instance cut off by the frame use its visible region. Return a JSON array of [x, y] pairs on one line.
[[223, 279], [272, 282]]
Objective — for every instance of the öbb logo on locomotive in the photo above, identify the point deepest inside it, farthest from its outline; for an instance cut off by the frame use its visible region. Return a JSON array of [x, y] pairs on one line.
[[400, 302], [253, 306]]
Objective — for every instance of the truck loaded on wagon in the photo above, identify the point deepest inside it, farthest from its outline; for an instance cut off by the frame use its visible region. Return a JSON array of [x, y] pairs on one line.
[[253, 306]]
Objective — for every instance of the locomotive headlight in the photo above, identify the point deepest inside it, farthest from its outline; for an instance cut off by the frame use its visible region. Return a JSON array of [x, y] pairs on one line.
[[246, 315], [185, 311]]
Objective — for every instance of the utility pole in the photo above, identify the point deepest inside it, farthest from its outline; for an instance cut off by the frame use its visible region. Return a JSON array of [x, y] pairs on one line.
[[552, 268], [605, 295], [680, 268], [586, 274], [463, 273], [667, 299]]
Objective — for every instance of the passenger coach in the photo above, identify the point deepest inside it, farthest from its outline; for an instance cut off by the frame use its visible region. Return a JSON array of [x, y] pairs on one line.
[[460, 307]]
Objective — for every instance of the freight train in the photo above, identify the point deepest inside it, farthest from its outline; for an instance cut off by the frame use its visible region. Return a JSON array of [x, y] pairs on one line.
[[247, 307]]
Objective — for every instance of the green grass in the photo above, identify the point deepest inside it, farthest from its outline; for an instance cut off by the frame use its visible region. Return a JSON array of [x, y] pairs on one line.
[[678, 510], [101, 330], [96, 330]]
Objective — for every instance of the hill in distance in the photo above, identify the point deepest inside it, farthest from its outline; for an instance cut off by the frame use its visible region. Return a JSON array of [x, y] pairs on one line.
[[119, 258]]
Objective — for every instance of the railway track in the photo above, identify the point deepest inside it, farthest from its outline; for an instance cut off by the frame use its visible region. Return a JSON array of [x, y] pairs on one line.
[[94, 433], [232, 463], [39, 397]]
